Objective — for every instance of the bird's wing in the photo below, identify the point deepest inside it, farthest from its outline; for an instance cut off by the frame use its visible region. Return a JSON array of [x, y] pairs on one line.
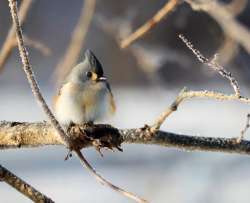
[[55, 98], [112, 101]]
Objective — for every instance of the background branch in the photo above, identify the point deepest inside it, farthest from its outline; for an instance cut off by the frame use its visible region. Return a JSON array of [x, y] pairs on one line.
[[8, 43], [222, 15], [22, 186], [71, 56], [163, 12]]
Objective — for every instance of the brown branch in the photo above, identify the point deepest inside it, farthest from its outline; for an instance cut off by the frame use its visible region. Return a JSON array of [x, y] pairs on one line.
[[10, 40], [21, 135], [22, 186], [163, 12], [77, 40]]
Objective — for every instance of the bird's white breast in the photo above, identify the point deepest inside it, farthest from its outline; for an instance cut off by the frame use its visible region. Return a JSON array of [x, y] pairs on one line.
[[79, 105]]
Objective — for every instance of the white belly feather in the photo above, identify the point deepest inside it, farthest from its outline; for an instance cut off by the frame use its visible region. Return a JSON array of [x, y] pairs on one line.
[[81, 106]]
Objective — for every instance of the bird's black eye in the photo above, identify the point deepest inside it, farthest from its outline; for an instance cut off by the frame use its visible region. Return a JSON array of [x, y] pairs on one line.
[[89, 74]]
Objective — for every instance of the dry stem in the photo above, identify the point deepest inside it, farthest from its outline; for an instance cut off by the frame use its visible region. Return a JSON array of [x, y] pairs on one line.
[[163, 12]]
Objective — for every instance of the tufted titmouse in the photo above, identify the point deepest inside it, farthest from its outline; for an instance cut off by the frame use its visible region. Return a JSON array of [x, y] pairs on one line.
[[86, 95]]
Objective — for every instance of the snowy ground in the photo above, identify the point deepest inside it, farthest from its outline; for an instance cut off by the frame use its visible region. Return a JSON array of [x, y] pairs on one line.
[[157, 174]]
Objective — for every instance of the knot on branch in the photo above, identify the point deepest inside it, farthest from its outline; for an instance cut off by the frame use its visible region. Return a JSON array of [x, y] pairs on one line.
[[98, 135]]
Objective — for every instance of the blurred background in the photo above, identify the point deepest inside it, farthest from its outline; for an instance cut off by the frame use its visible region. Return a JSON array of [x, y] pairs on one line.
[[145, 79]]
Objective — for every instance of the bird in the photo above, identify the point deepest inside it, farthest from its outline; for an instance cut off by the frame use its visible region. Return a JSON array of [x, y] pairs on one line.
[[85, 96]]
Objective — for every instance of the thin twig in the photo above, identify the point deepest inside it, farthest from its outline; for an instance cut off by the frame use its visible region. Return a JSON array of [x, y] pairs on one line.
[[30, 75], [213, 65], [163, 12], [243, 132], [184, 94], [8, 43], [22, 186], [77, 41], [107, 183], [173, 107], [188, 94]]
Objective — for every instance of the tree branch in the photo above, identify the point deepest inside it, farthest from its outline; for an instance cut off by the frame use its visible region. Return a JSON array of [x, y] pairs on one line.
[[22, 186], [163, 12], [18, 135]]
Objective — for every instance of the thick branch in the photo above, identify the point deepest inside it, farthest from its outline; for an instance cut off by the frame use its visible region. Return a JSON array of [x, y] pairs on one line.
[[23, 187], [14, 135]]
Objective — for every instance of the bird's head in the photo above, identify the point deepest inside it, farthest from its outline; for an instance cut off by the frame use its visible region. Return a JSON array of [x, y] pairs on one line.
[[88, 71]]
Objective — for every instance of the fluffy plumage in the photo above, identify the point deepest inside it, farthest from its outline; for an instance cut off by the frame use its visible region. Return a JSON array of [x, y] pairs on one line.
[[86, 96]]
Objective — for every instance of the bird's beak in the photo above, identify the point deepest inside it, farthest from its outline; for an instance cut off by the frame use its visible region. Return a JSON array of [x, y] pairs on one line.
[[101, 79]]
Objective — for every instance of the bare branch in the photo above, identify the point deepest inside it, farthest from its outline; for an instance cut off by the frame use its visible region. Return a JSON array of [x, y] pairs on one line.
[[22, 186], [235, 7], [184, 94], [163, 12], [10, 40], [18, 135], [107, 183], [213, 65], [77, 40]]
